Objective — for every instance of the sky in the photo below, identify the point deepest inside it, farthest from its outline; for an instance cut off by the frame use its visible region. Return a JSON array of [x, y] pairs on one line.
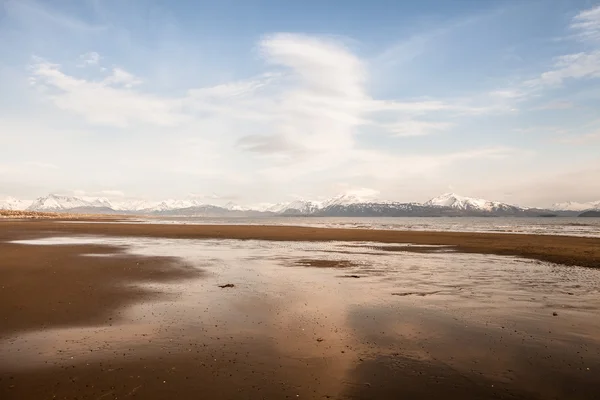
[[256, 101]]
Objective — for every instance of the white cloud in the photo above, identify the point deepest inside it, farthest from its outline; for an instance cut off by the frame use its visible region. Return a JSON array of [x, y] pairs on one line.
[[570, 66], [323, 94], [297, 121], [582, 65], [587, 24], [315, 95], [103, 104], [507, 93], [566, 67], [322, 64], [416, 128], [91, 58], [120, 77]]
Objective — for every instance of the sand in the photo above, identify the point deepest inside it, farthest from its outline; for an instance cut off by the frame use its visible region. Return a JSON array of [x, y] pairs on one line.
[[566, 250], [50, 289]]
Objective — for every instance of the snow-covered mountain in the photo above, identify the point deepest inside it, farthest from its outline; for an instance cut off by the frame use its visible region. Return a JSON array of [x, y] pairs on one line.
[[574, 206], [347, 204], [134, 205], [381, 209], [231, 206], [458, 202], [346, 199], [301, 207], [101, 202], [171, 204], [276, 208], [54, 202], [11, 203]]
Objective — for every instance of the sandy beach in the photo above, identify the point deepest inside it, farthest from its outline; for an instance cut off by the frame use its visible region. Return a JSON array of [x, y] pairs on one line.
[[123, 310]]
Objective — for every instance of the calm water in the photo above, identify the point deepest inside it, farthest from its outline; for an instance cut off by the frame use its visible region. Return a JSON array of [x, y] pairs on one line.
[[546, 226]]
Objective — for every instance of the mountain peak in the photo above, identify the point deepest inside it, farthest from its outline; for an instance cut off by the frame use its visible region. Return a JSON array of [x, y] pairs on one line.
[[357, 202], [459, 202], [576, 206], [11, 203]]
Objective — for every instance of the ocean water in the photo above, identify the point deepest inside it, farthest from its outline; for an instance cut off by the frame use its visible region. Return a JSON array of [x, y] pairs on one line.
[[589, 227]]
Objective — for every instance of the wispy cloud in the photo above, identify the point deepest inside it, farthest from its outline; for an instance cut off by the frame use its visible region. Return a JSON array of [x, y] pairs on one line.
[[33, 12], [314, 97], [108, 101], [120, 77], [586, 24], [416, 127], [570, 66], [302, 116], [565, 68], [91, 58]]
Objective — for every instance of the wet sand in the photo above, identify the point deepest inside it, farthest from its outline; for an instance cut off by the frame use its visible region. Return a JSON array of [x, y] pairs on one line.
[[139, 311], [568, 250]]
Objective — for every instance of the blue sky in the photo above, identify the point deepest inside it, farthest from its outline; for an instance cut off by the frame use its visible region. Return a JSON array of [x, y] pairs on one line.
[[268, 101]]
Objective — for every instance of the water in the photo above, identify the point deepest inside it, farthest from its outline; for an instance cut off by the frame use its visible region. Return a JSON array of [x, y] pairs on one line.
[[589, 227], [340, 320]]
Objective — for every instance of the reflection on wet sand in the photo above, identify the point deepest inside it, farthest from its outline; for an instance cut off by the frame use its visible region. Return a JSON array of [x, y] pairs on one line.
[[422, 324]]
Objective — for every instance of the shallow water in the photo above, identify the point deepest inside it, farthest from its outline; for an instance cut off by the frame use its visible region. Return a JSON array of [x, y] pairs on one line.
[[589, 227], [402, 321]]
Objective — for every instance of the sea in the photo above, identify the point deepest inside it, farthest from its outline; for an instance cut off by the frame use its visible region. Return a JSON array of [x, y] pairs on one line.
[[586, 227]]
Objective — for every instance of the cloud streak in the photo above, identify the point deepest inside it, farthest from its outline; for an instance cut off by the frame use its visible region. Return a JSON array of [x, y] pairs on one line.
[[586, 24]]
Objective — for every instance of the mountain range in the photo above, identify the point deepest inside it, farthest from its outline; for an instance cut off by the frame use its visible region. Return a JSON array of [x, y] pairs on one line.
[[448, 204]]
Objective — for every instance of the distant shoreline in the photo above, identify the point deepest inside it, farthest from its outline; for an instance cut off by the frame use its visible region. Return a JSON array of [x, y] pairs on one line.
[[20, 214]]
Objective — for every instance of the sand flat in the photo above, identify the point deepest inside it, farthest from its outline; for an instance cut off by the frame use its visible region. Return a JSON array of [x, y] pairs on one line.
[[581, 251]]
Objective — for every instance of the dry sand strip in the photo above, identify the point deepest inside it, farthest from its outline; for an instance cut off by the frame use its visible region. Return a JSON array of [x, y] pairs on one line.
[[579, 251]]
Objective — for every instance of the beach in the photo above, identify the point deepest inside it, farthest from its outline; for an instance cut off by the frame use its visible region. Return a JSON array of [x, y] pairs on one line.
[[107, 309]]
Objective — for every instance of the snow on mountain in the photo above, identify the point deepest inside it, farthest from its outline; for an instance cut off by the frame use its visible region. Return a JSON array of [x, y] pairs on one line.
[[293, 207], [236, 207], [349, 203], [10, 203], [264, 207], [134, 205], [276, 208], [54, 202], [344, 200], [302, 207], [359, 196], [458, 202], [169, 205], [574, 206], [98, 202], [309, 206]]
